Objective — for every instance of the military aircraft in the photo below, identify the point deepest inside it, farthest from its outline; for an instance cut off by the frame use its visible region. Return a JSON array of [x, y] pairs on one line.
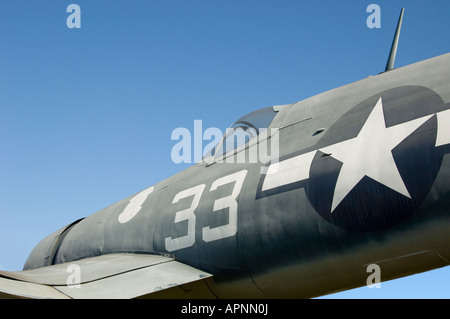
[[358, 180]]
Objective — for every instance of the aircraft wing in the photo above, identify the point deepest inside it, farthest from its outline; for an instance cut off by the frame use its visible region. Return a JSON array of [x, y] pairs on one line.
[[115, 276]]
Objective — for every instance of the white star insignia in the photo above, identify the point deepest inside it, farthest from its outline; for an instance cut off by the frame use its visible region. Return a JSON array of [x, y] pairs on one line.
[[370, 154]]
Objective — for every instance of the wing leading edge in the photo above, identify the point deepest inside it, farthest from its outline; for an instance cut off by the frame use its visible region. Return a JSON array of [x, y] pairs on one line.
[[115, 276]]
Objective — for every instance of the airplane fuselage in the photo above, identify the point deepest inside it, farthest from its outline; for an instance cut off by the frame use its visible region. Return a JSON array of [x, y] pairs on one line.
[[362, 178]]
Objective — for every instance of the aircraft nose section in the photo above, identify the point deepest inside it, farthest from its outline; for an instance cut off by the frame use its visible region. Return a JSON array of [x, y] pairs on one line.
[[43, 254]]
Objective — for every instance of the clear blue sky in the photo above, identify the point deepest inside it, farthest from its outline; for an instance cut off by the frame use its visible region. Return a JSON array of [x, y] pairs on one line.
[[86, 114]]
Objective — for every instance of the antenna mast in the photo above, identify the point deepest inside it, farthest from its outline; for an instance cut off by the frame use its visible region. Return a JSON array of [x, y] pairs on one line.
[[391, 59]]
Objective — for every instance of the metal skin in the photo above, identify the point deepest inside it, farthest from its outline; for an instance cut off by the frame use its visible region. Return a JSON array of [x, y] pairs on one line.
[[363, 178]]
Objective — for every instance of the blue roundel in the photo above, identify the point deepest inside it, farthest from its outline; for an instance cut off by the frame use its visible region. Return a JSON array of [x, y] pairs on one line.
[[377, 163]]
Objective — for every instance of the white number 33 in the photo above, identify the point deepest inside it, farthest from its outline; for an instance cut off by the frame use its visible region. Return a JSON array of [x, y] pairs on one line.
[[208, 234]]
